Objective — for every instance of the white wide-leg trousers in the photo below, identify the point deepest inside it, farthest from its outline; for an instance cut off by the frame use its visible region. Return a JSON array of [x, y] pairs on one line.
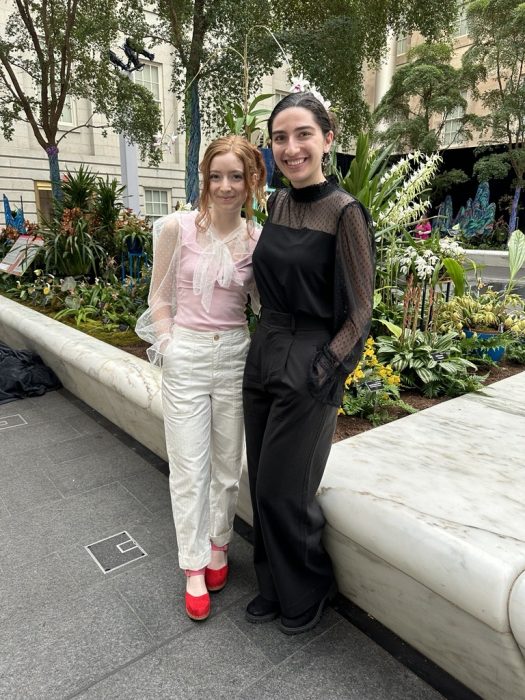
[[203, 421]]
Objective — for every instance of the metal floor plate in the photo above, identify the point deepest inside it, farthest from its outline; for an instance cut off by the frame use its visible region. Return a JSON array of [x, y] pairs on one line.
[[116, 551], [13, 421]]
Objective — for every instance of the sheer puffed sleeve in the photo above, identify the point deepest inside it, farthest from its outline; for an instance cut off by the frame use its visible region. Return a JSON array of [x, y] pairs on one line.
[[155, 324], [353, 301]]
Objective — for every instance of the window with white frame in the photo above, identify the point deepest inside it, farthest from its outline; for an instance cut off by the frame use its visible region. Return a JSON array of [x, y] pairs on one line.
[[453, 124], [461, 28], [156, 203], [68, 116], [402, 45], [150, 77]]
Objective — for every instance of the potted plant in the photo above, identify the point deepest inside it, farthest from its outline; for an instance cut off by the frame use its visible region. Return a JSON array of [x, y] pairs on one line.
[[485, 314], [134, 233]]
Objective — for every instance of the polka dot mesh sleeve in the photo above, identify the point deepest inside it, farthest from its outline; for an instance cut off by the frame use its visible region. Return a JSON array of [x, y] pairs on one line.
[[155, 324], [353, 300]]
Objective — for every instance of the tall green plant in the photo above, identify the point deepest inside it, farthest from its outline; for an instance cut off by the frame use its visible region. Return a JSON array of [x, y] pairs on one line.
[[246, 120], [78, 188], [394, 194], [71, 252]]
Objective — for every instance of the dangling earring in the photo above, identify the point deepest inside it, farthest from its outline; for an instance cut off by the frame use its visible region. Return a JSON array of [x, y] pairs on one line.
[[325, 162]]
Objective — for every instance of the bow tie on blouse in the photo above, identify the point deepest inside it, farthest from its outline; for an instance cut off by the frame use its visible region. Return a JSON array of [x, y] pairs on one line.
[[215, 265]]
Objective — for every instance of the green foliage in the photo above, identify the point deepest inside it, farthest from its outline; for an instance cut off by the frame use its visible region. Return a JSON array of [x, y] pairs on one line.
[[78, 189], [494, 67], [134, 232], [429, 362], [422, 95], [515, 350], [372, 390], [488, 310], [106, 207], [327, 42], [392, 192], [106, 304], [246, 120], [69, 246], [62, 49]]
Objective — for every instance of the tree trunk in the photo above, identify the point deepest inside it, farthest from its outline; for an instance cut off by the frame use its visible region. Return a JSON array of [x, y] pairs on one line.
[[513, 221], [193, 141], [54, 172]]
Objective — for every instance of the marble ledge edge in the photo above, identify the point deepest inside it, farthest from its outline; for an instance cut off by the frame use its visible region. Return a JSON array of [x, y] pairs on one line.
[[129, 377]]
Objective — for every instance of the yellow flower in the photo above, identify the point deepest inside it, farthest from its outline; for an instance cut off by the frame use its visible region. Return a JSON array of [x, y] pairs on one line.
[[340, 412], [370, 342], [46, 289], [38, 273], [374, 361]]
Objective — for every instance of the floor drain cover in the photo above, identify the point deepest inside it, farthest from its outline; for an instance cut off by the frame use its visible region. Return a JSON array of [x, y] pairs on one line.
[[113, 552], [13, 421]]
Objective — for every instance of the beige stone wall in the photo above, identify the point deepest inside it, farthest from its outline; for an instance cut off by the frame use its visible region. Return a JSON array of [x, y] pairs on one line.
[[461, 44]]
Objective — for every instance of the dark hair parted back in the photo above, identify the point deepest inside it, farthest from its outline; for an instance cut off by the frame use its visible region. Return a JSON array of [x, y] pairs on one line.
[[253, 168], [324, 119]]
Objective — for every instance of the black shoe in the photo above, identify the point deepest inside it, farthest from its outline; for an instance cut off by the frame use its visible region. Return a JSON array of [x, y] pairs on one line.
[[262, 610], [305, 621]]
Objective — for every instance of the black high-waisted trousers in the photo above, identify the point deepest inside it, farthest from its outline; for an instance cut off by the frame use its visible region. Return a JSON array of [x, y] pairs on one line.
[[288, 440]]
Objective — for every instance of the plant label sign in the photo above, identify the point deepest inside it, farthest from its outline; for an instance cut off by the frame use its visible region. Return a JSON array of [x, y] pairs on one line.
[[438, 356], [374, 384], [21, 255]]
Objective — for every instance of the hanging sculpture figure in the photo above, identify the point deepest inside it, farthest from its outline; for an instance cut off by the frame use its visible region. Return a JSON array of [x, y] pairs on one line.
[[14, 217]]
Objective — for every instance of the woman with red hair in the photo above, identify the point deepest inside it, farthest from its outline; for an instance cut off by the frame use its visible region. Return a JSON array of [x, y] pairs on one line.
[[202, 276]]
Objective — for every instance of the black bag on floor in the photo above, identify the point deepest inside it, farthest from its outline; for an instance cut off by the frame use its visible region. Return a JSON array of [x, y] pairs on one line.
[[22, 373]]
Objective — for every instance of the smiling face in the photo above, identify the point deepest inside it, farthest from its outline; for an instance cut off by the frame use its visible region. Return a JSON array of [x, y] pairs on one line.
[[298, 145], [227, 189]]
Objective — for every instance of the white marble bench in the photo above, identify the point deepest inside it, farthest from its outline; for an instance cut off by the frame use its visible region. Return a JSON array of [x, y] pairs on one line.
[[425, 516], [426, 527]]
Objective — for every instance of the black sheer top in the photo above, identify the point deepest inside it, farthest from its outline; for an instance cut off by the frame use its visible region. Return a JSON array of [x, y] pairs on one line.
[[315, 256]]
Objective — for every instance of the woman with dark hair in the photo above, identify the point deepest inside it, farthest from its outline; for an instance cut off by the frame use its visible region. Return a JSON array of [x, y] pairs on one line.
[[314, 269], [202, 274]]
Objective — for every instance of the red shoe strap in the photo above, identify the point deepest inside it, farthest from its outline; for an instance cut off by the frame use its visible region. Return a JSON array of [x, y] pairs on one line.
[[216, 548]]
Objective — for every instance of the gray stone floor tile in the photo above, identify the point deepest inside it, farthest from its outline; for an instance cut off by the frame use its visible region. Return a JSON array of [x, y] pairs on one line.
[[84, 424], [97, 469], [54, 400], [70, 646], [27, 488], [156, 594], [341, 664], [28, 590], [214, 660], [85, 518], [269, 639], [4, 511], [79, 446], [41, 409], [150, 488], [32, 436], [25, 461], [161, 523]]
